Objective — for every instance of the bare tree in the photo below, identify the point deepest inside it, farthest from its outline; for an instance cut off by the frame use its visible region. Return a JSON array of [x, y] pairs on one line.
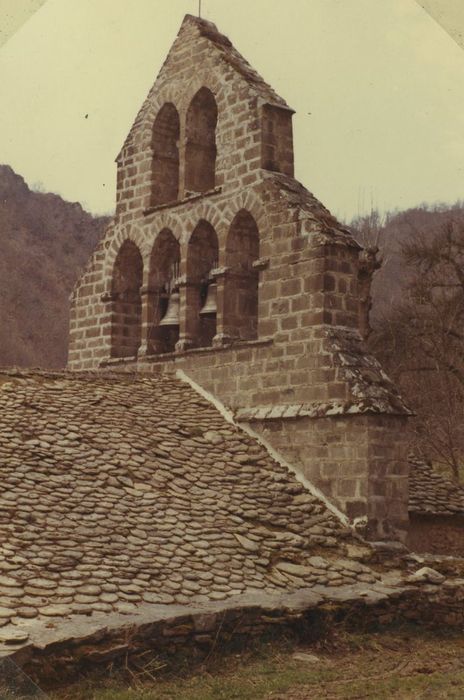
[[422, 343], [368, 230]]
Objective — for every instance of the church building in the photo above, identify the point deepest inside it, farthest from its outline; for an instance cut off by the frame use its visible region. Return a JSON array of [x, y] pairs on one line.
[[221, 267]]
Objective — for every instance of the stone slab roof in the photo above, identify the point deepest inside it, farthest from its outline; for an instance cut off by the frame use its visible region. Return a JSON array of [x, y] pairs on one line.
[[371, 390], [235, 59], [121, 491], [316, 221], [432, 494]]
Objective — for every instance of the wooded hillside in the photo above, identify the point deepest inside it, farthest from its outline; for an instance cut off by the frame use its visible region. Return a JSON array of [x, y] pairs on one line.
[[417, 321], [45, 242]]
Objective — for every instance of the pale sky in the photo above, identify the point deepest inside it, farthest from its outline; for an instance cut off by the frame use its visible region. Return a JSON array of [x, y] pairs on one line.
[[378, 88]]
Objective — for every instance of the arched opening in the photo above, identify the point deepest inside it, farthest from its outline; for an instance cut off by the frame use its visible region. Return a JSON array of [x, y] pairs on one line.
[[242, 279], [163, 330], [200, 153], [277, 140], [126, 330], [202, 259], [165, 162]]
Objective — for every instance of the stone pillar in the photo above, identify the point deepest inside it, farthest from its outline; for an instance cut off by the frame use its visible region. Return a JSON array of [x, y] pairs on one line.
[[359, 462], [223, 335], [182, 146], [151, 316], [109, 299], [388, 477], [189, 320]]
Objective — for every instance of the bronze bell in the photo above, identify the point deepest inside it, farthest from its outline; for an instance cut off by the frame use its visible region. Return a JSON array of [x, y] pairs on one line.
[[171, 317], [210, 306]]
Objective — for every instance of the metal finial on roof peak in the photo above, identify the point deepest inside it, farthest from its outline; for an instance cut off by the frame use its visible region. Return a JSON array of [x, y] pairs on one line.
[[199, 8]]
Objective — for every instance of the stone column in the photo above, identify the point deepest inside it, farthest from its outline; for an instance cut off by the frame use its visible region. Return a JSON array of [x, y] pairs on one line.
[[189, 320], [109, 299], [151, 316], [223, 335], [181, 144]]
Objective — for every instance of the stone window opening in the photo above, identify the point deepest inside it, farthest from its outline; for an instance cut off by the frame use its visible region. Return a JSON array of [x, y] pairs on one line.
[[126, 325], [277, 140], [200, 149], [165, 158], [163, 294], [202, 260], [241, 285]]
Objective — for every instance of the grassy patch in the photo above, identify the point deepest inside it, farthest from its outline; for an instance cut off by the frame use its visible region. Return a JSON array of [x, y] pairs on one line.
[[400, 664]]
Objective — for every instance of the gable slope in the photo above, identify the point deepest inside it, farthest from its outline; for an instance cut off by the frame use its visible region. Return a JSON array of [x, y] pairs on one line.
[[227, 52]]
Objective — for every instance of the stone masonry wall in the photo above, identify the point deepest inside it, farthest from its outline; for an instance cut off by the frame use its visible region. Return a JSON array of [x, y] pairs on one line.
[[199, 58], [304, 282], [307, 264], [437, 534], [233, 628], [353, 461]]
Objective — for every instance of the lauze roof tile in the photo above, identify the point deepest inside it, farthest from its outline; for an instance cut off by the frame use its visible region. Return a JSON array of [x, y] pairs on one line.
[[118, 491]]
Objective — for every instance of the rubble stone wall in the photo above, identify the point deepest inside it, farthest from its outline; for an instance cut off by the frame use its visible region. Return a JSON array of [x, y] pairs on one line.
[[437, 534], [198, 633]]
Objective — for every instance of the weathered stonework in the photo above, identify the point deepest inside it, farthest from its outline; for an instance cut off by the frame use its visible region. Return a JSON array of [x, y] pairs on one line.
[[351, 461], [121, 492], [436, 511], [206, 199], [59, 655]]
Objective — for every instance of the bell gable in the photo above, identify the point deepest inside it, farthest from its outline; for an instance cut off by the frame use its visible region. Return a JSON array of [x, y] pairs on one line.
[[209, 122]]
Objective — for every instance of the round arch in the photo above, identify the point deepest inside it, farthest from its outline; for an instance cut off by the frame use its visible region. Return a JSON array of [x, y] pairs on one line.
[[241, 288], [165, 156], [202, 259], [126, 282], [200, 149], [163, 295]]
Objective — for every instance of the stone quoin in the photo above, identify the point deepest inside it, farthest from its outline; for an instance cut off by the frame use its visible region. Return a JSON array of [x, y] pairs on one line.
[[220, 264]]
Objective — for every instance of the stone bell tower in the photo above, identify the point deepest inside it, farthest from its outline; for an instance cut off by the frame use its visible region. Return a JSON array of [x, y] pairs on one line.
[[219, 263]]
